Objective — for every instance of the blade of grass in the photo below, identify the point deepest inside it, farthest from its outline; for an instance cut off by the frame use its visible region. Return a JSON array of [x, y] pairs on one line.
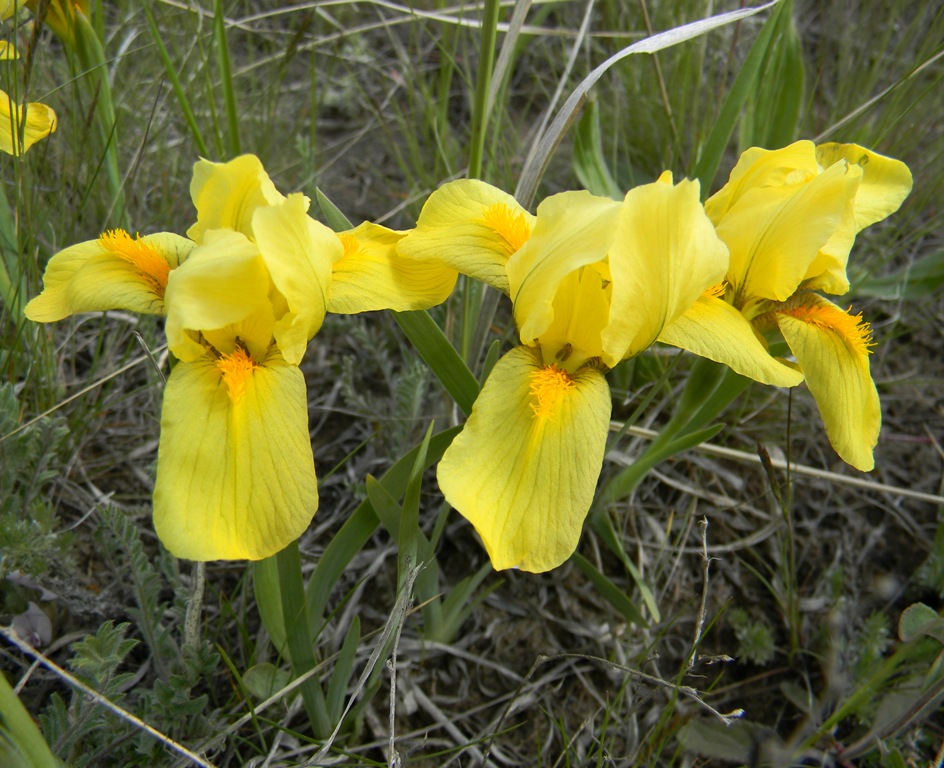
[[226, 78], [547, 143]]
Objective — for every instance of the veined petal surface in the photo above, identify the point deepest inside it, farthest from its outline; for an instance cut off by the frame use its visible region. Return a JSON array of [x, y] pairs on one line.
[[714, 329], [115, 271], [665, 254], [472, 227], [573, 230], [832, 348], [227, 194], [299, 253], [524, 469], [372, 275], [235, 472]]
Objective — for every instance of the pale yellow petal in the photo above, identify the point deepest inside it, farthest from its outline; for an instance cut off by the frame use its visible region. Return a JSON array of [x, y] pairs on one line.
[[227, 194], [7, 50], [299, 253], [573, 230], [472, 227], [36, 122], [714, 329], [373, 275], [762, 168], [665, 254], [235, 472], [884, 186], [524, 469], [115, 271], [224, 281], [886, 182], [832, 348], [775, 233]]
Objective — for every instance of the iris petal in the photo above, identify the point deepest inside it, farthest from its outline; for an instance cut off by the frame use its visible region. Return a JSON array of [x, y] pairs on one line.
[[372, 275], [714, 329], [97, 275], [235, 472], [472, 227], [665, 254], [832, 349], [524, 469]]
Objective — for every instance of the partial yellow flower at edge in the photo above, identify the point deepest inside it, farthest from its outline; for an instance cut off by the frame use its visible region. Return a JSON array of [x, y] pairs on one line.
[[524, 468], [61, 16], [472, 227], [235, 472], [115, 271], [372, 275], [8, 51], [40, 121]]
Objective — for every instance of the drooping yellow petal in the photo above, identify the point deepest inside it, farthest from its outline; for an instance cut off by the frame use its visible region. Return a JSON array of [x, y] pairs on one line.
[[573, 230], [884, 186], [224, 281], [524, 469], [665, 254], [372, 275], [832, 348], [37, 121], [299, 253], [235, 472], [116, 271], [472, 227], [7, 50], [758, 168], [714, 329], [775, 233], [227, 194]]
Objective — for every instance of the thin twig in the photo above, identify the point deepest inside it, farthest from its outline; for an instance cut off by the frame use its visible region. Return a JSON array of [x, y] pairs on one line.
[[703, 606], [124, 714]]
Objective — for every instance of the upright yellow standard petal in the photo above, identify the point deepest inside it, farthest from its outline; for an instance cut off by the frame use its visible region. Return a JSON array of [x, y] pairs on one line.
[[299, 253], [524, 469], [832, 348], [714, 329], [224, 281], [472, 227], [573, 230], [758, 168], [116, 271], [775, 233], [372, 275], [235, 472], [36, 120], [886, 182], [227, 194], [665, 254], [884, 186]]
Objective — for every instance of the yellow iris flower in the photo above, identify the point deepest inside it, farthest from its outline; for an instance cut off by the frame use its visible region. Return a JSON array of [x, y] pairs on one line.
[[61, 16], [242, 297], [593, 281], [789, 218]]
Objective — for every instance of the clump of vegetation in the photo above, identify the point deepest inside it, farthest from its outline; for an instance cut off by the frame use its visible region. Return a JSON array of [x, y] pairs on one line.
[[797, 624]]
